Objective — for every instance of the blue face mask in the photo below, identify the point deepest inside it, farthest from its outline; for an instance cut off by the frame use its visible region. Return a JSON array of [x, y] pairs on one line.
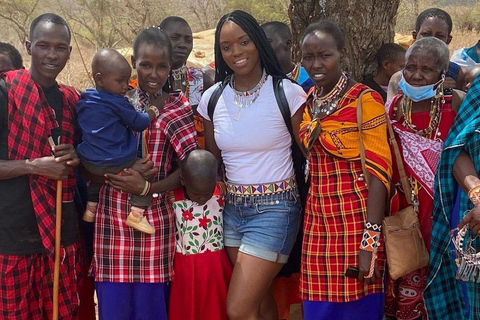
[[418, 93]]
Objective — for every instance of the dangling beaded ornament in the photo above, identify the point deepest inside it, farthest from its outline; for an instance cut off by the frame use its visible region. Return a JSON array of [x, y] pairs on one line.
[[245, 99], [294, 73], [180, 78], [468, 259], [435, 114], [328, 103]]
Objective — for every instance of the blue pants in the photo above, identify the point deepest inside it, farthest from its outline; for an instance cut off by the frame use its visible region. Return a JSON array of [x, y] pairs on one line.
[[132, 301], [369, 307]]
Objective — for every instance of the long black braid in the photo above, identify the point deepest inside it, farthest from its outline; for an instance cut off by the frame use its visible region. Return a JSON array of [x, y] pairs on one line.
[[268, 58]]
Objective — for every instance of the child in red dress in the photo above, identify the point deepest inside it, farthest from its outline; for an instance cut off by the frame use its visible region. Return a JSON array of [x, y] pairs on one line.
[[202, 269]]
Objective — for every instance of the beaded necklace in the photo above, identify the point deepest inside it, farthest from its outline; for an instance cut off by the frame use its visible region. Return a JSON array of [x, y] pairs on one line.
[[328, 103], [180, 79], [244, 99], [435, 113], [294, 73], [429, 132], [468, 259]]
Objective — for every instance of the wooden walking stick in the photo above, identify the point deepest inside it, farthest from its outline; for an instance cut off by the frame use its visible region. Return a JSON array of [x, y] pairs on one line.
[[58, 233]]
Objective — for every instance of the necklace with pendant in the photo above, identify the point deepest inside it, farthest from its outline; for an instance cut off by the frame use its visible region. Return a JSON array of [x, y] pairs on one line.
[[180, 78], [244, 99], [329, 102]]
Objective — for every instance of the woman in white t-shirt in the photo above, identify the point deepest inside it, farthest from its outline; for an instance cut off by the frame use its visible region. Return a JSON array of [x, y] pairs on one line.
[[249, 135]]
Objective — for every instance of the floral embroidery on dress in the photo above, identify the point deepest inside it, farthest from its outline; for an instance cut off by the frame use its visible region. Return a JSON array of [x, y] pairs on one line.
[[199, 228]]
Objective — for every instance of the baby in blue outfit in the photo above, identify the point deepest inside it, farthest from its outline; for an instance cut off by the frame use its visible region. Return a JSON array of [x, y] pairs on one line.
[[107, 120]]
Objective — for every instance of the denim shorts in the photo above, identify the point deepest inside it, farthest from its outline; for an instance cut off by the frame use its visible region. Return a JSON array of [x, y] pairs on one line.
[[263, 227]]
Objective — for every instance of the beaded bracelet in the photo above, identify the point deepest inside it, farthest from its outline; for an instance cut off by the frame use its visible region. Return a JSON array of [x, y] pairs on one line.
[[155, 110], [474, 195], [370, 240], [372, 265], [146, 188], [373, 226]]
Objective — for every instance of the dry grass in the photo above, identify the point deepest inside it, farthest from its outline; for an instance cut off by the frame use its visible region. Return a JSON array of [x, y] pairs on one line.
[[76, 75], [75, 72], [462, 39]]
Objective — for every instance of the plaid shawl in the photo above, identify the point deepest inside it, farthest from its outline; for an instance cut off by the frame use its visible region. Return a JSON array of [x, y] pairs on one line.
[[30, 121], [336, 206], [339, 131], [443, 296]]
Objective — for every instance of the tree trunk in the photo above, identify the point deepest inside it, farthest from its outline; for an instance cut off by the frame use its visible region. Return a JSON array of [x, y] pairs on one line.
[[367, 25]]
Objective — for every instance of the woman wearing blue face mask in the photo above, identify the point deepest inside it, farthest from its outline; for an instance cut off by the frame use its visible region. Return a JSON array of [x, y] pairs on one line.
[[421, 116]]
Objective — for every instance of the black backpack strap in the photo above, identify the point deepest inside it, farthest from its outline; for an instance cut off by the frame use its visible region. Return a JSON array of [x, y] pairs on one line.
[[282, 102], [212, 102]]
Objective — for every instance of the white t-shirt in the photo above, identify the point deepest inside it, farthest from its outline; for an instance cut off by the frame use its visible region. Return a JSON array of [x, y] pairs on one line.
[[255, 148]]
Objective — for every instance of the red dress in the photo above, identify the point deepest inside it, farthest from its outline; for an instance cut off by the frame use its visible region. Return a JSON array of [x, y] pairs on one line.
[[404, 298], [201, 265]]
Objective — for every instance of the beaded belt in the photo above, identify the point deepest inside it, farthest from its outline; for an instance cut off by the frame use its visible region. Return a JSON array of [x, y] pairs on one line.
[[262, 193], [261, 189]]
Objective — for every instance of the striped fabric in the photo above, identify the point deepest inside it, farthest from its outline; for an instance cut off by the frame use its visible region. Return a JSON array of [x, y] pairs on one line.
[[125, 255], [420, 157], [339, 131], [335, 212], [30, 120], [443, 296], [26, 285]]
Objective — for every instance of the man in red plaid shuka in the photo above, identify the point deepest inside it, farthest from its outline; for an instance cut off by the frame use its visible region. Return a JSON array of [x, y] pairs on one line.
[[32, 108]]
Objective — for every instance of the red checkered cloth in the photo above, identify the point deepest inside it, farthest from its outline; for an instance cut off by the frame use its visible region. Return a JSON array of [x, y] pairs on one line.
[[30, 121], [122, 254], [335, 212], [26, 285]]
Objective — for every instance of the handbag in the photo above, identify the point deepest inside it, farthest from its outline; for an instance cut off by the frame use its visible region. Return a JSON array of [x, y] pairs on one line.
[[404, 245]]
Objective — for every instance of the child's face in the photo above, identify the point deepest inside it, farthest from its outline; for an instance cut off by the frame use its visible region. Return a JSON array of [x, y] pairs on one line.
[[5, 63], [153, 67], [434, 27], [396, 65], [469, 77], [115, 81], [199, 192]]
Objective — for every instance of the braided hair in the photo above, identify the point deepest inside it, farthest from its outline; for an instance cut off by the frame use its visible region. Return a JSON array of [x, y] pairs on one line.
[[268, 58]]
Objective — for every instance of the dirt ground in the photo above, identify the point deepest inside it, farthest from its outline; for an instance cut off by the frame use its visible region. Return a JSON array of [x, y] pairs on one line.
[[295, 312]]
